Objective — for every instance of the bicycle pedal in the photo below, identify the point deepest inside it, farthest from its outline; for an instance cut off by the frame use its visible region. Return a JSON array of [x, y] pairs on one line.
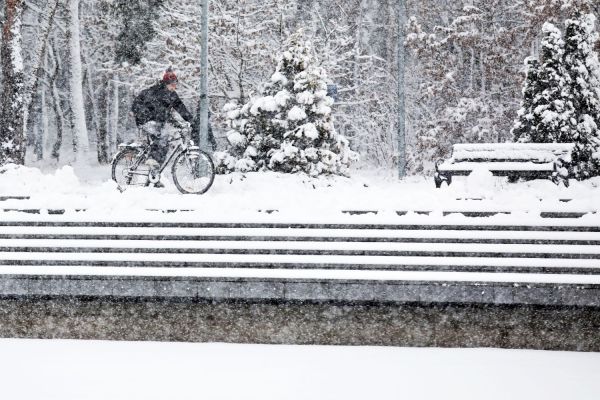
[[154, 177]]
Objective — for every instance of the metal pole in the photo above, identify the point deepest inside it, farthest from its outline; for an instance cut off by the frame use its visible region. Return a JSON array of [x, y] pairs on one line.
[[401, 90], [202, 119]]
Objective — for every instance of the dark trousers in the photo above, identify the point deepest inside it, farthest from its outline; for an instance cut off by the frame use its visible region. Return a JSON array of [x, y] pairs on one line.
[[159, 147], [159, 143]]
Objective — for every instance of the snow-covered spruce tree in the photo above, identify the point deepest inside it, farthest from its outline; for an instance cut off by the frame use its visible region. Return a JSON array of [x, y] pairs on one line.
[[547, 110], [137, 28], [553, 107], [524, 124], [289, 127], [581, 62]]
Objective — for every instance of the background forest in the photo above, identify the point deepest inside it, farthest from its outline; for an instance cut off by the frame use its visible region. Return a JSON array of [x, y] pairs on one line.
[[465, 66]]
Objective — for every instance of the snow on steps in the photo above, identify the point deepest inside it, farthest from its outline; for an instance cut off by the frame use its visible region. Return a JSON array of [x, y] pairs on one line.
[[468, 207], [467, 212], [557, 261]]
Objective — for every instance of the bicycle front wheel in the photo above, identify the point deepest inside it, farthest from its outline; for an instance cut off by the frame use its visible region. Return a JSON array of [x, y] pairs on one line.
[[127, 169], [193, 172]]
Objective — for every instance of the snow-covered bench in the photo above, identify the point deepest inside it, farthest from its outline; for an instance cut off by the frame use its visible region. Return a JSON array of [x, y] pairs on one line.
[[531, 160]]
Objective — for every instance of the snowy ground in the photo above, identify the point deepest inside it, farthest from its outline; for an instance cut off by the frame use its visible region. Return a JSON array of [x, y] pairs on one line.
[[90, 370], [293, 197], [82, 370]]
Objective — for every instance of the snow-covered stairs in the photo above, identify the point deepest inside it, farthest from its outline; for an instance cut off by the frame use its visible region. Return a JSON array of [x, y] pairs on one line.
[[552, 254]]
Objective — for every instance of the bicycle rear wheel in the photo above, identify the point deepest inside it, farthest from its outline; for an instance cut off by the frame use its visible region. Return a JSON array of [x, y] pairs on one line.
[[193, 172], [128, 170]]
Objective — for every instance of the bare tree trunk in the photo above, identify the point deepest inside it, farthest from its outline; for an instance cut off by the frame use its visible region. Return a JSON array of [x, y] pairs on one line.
[[107, 111], [102, 149], [482, 72], [472, 70], [80, 133], [240, 75], [38, 61], [44, 101], [114, 120], [58, 111], [12, 140], [100, 128], [60, 119], [36, 129]]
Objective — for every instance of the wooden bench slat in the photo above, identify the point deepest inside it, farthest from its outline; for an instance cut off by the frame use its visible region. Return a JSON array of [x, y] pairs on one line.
[[560, 147], [501, 166]]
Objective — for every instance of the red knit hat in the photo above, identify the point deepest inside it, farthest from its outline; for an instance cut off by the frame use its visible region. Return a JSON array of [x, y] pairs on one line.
[[169, 76]]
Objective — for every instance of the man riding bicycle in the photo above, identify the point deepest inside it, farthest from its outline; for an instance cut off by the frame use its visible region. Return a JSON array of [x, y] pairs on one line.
[[152, 111]]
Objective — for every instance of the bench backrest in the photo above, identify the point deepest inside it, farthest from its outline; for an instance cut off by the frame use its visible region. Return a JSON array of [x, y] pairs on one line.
[[512, 152]]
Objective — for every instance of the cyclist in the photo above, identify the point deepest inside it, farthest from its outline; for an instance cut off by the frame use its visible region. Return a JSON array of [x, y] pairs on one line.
[[152, 111]]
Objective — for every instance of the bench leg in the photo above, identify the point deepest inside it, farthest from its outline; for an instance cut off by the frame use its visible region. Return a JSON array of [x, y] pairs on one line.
[[560, 173], [439, 179], [558, 179], [512, 178], [563, 179]]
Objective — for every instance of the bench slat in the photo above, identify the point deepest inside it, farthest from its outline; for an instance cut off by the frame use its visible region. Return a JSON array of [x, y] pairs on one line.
[[562, 147], [517, 152], [496, 166]]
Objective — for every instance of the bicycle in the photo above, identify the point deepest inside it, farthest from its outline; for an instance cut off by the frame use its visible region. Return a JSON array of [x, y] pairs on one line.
[[192, 170]]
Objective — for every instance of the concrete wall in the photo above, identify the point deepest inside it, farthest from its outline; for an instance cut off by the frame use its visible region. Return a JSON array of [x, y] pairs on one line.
[[406, 324]]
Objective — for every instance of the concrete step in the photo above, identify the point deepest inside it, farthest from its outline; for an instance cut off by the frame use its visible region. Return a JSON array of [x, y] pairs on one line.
[[94, 233], [529, 241], [526, 266], [360, 250], [548, 226], [244, 256]]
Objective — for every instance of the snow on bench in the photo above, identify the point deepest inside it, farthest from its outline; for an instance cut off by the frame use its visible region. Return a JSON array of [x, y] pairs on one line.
[[532, 160]]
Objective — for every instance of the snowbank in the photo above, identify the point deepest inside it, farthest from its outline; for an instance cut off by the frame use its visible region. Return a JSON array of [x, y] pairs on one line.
[[296, 196], [70, 370]]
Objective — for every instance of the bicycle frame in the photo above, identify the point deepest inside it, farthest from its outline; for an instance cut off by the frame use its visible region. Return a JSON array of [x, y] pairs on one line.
[[136, 154], [181, 147], [171, 156]]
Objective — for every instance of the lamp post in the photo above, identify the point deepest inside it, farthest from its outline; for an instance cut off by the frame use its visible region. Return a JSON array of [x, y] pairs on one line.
[[401, 90], [203, 103]]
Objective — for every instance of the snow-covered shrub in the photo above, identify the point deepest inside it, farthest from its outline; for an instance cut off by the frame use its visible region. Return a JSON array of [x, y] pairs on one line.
[[581, 61], [561, 95], [524, 124], [289, 126], [547, 113]]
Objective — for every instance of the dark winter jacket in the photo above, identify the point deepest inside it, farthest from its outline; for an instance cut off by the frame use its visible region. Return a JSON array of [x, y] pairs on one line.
[[156, 103]]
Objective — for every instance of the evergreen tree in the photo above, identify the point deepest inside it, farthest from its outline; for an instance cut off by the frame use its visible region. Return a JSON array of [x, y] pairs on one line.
[[547, 113], [137, 28], [289, 127], [524, 124], [553, 107], [581, 62]]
